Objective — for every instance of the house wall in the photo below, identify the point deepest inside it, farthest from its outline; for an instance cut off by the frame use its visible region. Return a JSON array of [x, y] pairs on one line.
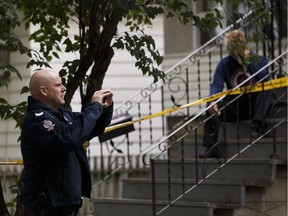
[[9, 146]]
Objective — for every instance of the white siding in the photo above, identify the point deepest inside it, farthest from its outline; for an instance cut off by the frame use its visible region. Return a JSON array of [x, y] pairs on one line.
[[9, 147]]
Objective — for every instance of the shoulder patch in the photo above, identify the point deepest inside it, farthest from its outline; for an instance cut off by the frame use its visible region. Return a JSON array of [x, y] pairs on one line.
[[48, 125]]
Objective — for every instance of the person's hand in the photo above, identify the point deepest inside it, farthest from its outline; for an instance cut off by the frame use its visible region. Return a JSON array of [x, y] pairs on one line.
[[104, 97], [108, 98], [214, 110]]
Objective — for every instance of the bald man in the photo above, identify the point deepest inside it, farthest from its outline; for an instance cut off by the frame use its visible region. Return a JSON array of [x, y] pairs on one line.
[[56, 169]]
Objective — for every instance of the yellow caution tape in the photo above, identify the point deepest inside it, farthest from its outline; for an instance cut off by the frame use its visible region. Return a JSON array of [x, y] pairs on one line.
[[272, 84], [264, 86], [12, 162]]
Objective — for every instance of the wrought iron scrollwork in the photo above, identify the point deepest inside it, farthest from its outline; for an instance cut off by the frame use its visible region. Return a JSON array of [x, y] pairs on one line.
[[148, 90]]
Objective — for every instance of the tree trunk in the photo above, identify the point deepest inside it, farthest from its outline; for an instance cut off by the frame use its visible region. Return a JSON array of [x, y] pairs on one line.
[[97, 74], [78, 78]]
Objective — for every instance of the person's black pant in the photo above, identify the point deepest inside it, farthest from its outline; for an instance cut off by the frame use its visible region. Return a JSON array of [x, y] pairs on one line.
[[252, 106], [57, 211], [45, 208]]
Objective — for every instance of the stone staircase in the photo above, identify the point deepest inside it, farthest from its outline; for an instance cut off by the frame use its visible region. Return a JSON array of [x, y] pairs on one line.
[[215, 188]]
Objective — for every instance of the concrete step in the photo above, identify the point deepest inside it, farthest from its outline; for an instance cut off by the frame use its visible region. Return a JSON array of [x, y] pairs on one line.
[[280, 95], [232, 130], [263, 148], [136, 207], [274, 127], [257, 172], [278, 110], [219, 191]]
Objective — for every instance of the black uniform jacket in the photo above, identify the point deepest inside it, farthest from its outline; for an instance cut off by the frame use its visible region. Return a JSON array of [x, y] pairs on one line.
[[55, 161]]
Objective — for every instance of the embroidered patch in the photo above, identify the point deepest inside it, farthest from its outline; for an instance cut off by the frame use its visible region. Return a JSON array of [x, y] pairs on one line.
[[47, 124]]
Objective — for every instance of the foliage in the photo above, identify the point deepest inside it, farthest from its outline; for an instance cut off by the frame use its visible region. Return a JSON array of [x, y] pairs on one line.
[[9, 20], [14, 188]]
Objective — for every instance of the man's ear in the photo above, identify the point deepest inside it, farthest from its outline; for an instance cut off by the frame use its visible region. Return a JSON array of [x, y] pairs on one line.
[[43, 90]]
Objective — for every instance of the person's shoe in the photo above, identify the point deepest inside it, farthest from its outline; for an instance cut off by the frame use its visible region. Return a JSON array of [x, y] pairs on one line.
[[256, 130], [212, 153]]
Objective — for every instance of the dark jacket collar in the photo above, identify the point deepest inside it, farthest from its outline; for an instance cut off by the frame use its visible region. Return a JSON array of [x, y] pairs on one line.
[[34, 104]]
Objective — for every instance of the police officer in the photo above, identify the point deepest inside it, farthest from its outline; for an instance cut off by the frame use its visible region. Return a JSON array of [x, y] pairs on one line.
[[56, 170]]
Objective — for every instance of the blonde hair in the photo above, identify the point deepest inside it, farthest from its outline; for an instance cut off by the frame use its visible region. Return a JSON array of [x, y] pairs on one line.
[[237, 45], [235, 38]]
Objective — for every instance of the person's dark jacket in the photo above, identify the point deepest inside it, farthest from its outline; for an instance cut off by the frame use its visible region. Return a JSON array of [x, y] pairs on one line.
[[55, 160], [230, 73]]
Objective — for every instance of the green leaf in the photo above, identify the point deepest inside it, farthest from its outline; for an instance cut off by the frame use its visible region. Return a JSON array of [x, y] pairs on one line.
[[3, 101], [56, 55], [24, 90]]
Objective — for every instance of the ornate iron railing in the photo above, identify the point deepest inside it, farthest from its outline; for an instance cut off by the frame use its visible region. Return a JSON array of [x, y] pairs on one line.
[[186, 81], [176, 140], [177, 88]]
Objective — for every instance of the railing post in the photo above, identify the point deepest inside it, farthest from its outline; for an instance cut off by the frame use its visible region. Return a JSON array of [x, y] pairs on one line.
[[196, 155], [102, 161], [153, 187]]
